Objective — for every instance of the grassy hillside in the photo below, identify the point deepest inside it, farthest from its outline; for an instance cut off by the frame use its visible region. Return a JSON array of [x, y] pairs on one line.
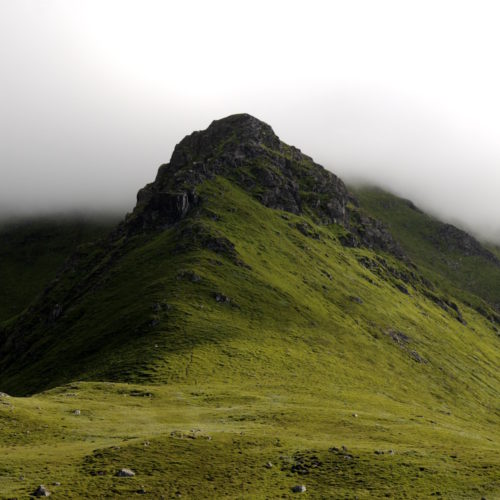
[[495, 249], [221, 346], [446, 255], [32, 250], [269, 350]]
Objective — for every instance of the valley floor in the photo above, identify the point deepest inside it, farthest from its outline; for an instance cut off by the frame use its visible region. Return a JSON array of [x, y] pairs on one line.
[[195, 441]]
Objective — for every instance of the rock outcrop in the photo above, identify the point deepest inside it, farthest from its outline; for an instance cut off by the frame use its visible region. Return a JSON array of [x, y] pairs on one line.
[[246, 151]]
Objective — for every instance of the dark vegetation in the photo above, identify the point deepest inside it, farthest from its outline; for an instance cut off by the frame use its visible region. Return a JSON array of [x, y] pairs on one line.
[[34, 248]]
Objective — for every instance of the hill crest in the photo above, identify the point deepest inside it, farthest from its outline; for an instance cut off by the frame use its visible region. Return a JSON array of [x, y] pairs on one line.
[[246, 151]]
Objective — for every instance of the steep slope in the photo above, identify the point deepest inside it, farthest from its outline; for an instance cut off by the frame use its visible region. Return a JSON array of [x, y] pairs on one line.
[[33, 249], [248, 297], [445, 254]]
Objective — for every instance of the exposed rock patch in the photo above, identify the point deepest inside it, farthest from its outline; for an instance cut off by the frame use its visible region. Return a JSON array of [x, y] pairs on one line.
[[403, 341], [246, 151], [41, 491], [456, 240], [125, 473]]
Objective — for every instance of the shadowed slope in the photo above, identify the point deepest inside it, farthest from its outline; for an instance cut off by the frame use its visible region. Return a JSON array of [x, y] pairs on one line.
[[33, 249]]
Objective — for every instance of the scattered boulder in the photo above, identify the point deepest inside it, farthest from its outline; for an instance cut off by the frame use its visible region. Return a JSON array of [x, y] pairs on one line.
[[4, 395], [125, 473], [355, 415], [77, 412], [41, 491], [221, 298], [56, 483], [269, 465], [299, 488]]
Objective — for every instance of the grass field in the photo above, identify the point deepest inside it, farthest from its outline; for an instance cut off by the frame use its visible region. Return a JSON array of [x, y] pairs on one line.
[[214, 441], [200, 363]]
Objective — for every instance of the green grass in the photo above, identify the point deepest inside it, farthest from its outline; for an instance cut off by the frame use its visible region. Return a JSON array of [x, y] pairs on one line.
[[213, 441], [309, 337]]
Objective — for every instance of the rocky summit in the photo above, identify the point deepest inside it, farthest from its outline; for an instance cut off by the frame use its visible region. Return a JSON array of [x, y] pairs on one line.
[[246, 151], [253, 329]]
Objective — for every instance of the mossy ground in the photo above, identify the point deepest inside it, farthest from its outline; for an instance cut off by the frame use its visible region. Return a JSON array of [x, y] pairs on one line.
[[307, 338]]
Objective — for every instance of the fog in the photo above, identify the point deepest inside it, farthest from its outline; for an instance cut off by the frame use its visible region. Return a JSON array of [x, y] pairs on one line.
[[95, 95]]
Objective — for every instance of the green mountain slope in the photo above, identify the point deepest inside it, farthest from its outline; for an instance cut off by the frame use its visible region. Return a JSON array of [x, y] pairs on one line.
[[247, 312], [444, 253], [33, 249]]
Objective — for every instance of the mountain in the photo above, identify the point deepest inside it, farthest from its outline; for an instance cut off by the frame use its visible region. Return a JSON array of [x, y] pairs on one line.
[[444, 253], [32, 249], [250, 327]]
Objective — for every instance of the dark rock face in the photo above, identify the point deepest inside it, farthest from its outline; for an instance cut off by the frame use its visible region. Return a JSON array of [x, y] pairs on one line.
[[163, 208], [373, 234], [246, 151], [455, 239]]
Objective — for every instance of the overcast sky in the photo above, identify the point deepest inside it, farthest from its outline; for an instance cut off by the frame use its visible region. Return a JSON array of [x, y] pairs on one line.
[[406, 94]]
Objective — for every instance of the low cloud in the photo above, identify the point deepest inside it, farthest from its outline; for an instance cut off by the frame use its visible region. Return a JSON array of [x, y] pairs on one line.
[[96, 95]]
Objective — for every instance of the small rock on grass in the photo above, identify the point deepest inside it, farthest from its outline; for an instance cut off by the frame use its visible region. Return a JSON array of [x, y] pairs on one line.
[[269, 465], [41, 491], [125, 473], [77, 412], [299, 488]]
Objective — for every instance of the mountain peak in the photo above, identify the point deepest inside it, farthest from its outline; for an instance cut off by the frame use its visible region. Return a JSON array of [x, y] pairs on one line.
[[243, 124], [247, 152], [231, 133]]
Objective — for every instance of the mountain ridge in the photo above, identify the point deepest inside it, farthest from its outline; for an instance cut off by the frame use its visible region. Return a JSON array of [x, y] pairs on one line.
[[247, 151], [178, 206], [266, 348], [440, 249]]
